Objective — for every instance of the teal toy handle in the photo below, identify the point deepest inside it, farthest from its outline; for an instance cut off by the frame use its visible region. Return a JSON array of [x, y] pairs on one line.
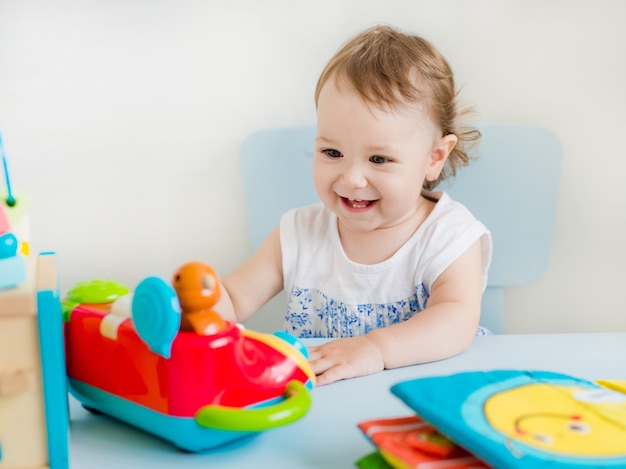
[[10, 199], [294, 407]]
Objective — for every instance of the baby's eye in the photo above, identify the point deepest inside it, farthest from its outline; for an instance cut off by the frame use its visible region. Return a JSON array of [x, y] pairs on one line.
[[332, 153], [377, 159]]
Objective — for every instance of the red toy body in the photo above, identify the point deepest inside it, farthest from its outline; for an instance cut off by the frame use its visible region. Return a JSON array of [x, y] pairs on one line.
[[227, 369], [228, 375]]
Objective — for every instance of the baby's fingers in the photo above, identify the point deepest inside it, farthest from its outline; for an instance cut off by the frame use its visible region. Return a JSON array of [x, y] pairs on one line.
[[320, 363], [334, 373]]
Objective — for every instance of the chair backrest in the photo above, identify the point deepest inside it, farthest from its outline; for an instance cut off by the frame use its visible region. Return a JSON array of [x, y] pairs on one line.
[[511, 187]]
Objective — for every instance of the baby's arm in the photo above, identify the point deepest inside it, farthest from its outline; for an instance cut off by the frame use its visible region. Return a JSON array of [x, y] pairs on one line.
[[444, 328], [253, 284]]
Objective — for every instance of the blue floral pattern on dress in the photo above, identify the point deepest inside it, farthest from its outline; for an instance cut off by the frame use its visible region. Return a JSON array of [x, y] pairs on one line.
[[310, 313]]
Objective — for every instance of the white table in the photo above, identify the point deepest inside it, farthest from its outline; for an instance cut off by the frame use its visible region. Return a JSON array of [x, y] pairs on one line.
[[327, 437]]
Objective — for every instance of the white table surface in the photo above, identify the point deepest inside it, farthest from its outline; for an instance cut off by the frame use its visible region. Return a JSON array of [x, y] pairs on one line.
[[327, 437]]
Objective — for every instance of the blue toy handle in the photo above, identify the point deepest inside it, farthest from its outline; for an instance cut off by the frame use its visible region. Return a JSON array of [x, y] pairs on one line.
[[294, 407]]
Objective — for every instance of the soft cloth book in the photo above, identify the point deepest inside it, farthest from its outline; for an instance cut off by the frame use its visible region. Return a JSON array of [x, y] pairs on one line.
[[411, 443], [525, 419]]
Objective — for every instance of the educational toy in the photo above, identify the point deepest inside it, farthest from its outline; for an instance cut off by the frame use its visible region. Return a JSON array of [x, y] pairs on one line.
[[161, 359], [33, 391]]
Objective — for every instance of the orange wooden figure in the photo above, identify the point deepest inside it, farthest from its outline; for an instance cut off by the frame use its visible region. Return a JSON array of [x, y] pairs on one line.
[[198, 289]]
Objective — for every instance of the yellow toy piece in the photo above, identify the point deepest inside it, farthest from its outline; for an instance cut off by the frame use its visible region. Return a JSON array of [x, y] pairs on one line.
[[614, 384]]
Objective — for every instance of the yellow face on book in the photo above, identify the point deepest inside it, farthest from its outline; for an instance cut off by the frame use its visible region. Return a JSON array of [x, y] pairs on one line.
[[568, 420]]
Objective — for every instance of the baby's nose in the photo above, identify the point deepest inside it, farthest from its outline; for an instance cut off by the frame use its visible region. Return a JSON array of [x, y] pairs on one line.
[[353, 177]]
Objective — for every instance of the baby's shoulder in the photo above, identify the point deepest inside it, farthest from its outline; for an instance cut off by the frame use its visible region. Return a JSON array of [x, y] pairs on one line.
[[307, 220], [447, 208]]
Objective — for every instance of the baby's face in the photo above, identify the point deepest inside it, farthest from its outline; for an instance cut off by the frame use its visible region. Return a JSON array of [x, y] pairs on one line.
[[370, 163]]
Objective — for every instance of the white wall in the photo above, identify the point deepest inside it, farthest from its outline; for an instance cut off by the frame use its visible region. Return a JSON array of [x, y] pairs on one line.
[[123, 119]]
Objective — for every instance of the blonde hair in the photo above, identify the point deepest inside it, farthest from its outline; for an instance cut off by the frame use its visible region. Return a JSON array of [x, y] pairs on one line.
[[388, 67]]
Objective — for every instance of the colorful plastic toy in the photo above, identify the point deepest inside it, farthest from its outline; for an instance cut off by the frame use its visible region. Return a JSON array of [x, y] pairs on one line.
[[200, 387], [33, 393]]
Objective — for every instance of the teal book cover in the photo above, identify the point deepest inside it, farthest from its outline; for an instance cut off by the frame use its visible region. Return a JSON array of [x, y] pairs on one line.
[[521, 419]]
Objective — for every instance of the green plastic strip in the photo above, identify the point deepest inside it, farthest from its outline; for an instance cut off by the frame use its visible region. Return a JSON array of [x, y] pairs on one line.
[[294, 407]]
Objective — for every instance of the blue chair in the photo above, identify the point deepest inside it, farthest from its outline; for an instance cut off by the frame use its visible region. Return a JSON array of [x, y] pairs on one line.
[[511, 187]]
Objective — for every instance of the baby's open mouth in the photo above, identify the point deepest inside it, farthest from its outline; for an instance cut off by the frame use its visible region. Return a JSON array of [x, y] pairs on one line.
[[357, 203]]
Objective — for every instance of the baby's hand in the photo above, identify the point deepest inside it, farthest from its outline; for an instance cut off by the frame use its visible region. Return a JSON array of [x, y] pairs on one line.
[[345, 358]]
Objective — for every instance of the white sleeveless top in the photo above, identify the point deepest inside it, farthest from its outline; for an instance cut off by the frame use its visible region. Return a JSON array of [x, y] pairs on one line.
[[331, 296]]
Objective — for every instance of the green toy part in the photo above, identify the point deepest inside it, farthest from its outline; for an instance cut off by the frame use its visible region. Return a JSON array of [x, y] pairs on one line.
[[295, 406], [19, 208], [97, 291]]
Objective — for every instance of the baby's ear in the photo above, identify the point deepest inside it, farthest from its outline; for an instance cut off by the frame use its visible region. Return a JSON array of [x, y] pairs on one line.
[[439, 155]]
